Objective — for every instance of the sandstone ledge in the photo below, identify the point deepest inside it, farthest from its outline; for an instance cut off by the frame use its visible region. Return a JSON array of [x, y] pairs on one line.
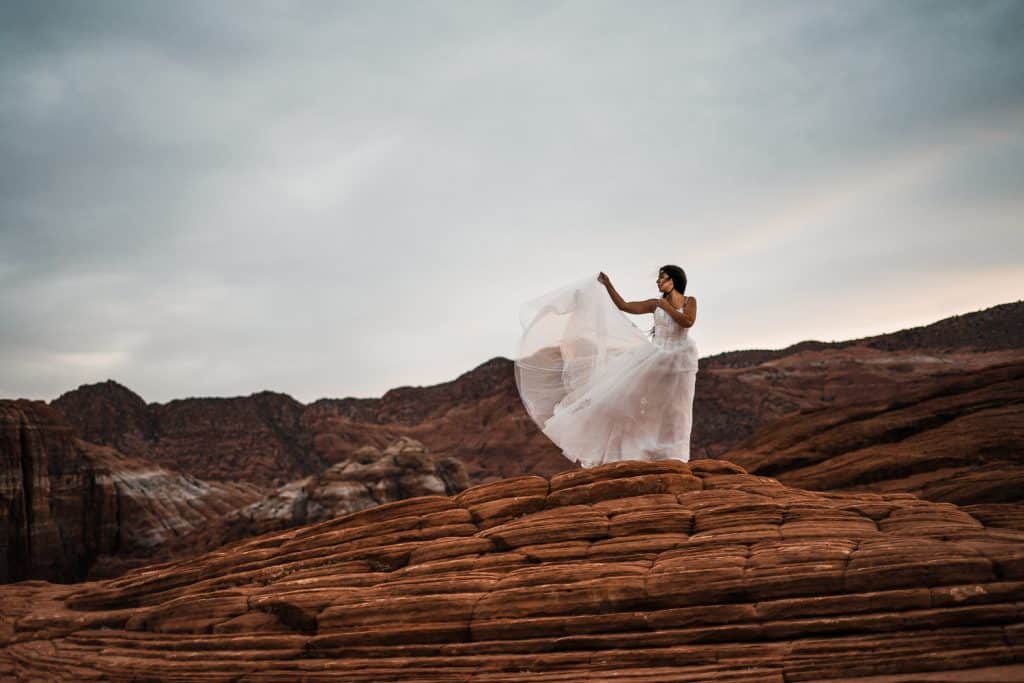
[[635, 571]]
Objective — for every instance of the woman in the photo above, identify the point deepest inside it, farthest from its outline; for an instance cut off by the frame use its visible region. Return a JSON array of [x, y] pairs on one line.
[[596, 385]]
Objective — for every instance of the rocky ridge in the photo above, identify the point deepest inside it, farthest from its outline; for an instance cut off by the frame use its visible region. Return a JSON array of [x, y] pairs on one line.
[[958, 440], [993, 329], [257, 438], [270, 439]]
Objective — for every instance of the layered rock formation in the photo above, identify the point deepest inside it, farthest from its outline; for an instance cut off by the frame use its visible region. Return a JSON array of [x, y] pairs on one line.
[[477, 418], [142, 509], [66, 502], [109, 414], [44, 530], [370, 477], [634, 572], [957, 439], [862, 387], [737, 401], [257, 438], [270, 439], [73, 509]]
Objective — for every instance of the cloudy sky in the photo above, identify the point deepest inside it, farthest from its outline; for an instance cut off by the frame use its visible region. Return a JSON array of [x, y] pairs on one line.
[[334, 199]]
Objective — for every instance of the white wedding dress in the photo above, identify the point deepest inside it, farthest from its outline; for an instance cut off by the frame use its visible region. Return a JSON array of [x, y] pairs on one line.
[[597, 386]]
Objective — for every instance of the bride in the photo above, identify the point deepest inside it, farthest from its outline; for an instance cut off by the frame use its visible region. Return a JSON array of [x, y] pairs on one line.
[[596, 385]]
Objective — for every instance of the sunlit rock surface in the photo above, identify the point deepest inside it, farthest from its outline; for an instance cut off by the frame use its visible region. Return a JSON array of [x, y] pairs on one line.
[[633, 572]]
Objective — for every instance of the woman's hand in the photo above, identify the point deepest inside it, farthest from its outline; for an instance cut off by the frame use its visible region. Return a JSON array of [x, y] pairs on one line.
[[603, 279]]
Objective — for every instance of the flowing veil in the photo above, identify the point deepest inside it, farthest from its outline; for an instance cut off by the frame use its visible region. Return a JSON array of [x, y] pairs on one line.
[[569, 337]]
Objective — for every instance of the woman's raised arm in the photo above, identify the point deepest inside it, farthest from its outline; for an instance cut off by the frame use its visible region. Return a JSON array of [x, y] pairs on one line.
[[635, 307]]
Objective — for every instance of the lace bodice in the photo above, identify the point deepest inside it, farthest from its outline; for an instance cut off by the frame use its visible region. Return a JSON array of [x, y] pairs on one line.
[[667, 332]]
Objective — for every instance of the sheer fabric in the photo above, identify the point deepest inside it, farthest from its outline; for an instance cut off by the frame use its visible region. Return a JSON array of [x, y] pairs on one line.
[[597, 386]]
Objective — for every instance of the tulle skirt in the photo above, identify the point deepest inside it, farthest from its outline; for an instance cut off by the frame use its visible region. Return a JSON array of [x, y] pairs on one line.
[[597, 386]]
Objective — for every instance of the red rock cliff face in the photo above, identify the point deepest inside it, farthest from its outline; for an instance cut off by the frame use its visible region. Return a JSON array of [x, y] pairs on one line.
[[47, 529], [630, 572], [67, 503], [141, 508]]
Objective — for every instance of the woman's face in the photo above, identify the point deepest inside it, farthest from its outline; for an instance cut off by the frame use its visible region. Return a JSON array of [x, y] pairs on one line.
[[664, 282]]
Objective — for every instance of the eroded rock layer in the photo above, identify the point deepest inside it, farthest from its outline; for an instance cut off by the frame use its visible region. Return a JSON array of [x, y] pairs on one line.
[[66, 504], [257, 438], [957, 440], [44, 530], [370, 477], [634, 572]]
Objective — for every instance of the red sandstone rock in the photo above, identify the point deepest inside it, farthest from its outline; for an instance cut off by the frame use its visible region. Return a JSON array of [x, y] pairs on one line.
[[44, 528], [371, 476], [957, 439], [256, 438], [477, 419], [142, 507], [734, 577], [69, 502]]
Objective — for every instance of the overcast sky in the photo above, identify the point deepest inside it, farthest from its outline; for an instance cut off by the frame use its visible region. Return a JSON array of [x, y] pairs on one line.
[[334, 199]]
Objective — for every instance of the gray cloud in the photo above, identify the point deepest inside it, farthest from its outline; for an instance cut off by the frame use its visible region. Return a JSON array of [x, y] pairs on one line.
[[332, 199]]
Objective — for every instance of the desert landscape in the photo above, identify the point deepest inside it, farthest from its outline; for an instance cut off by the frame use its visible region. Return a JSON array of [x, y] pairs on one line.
[[854, 511], [512, 342]]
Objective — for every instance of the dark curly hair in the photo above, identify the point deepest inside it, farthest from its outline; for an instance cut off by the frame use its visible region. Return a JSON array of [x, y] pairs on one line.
[[678, 276]]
